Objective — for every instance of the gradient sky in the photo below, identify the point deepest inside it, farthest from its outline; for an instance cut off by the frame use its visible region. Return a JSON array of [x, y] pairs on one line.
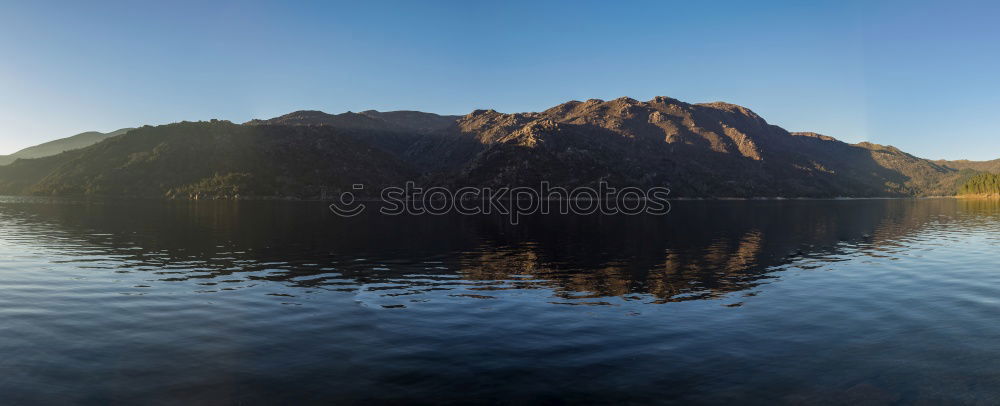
[[923, 76]]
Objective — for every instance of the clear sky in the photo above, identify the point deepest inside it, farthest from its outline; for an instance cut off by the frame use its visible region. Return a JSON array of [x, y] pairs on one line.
[[923, 76]]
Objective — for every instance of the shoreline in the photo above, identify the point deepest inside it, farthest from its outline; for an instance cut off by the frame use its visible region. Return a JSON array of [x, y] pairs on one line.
[[979, 196], [370, 200]]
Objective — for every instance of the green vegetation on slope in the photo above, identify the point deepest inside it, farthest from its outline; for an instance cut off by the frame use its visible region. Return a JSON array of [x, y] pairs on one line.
[[982, 184], [215, 159]]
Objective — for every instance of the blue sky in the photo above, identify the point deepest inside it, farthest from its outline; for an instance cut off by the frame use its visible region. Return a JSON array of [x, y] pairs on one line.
[[923, 76]]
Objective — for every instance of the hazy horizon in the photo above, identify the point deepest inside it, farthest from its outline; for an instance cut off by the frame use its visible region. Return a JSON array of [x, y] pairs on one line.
[[888, 73]]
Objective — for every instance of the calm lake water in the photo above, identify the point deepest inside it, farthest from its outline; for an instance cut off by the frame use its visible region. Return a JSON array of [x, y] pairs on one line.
[[839, 302]]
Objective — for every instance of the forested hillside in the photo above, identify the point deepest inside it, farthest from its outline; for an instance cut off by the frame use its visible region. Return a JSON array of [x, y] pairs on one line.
[[982, 184]]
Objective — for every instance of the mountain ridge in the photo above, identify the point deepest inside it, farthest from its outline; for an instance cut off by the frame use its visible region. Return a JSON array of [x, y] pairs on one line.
[[982, 166], [399, 120], [714, 149]]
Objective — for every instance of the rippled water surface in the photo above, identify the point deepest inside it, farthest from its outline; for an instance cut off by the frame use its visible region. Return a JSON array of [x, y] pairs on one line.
[[840, 302]]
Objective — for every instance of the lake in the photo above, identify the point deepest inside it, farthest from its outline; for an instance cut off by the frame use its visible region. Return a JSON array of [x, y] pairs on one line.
[[834, 302]]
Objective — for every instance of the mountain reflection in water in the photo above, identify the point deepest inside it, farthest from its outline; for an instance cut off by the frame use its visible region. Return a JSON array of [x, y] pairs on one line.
[[702, 250], [253, 302]]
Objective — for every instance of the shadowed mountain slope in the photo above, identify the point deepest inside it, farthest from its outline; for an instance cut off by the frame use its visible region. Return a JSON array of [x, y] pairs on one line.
[[208, 160], [399, 121]]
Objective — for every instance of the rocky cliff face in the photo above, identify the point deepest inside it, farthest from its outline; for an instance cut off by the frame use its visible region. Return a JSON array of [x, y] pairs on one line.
[[704, 150]]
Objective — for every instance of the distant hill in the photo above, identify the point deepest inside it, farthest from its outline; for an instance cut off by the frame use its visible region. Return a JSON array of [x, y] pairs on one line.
[[697, 150], [982, 166], [64, 144]]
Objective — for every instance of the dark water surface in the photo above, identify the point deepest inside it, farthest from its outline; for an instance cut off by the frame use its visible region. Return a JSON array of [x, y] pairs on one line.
[[877, 301]]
